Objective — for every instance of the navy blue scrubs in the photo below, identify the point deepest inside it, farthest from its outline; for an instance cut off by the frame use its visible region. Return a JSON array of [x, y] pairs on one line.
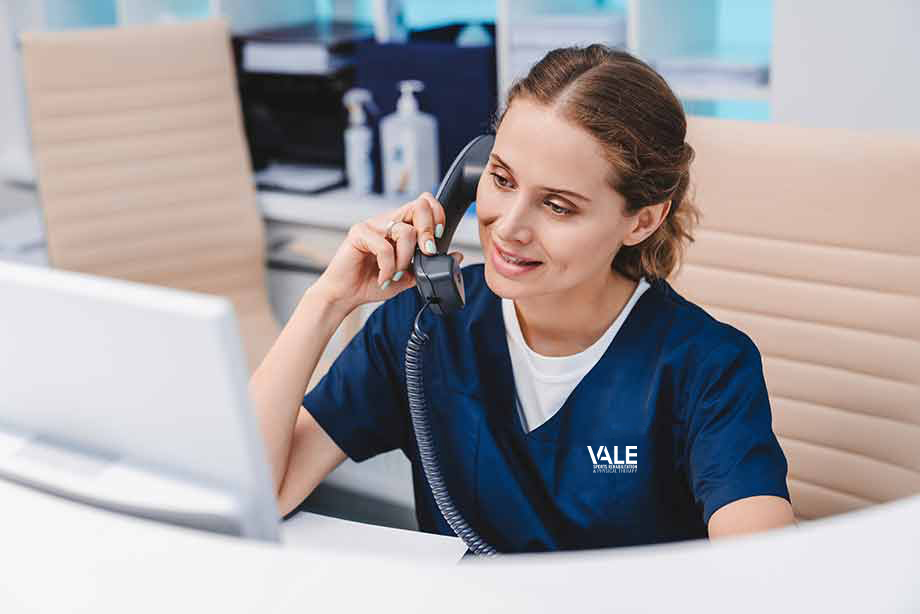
[[678, 394]]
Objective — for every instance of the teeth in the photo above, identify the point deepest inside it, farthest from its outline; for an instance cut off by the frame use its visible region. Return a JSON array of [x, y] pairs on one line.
[[513, 260]]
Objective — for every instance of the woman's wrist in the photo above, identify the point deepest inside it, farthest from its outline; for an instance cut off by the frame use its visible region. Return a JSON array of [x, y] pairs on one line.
[[329, 299]]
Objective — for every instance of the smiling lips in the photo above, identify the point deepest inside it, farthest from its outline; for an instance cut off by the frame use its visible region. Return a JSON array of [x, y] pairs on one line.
[[513, 258], [510, 267]]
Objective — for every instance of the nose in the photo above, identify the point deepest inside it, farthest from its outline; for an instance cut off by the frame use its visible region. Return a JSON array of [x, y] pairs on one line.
[[513, 224]]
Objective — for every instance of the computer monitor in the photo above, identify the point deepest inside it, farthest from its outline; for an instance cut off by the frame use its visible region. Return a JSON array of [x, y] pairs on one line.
[[133, 398]]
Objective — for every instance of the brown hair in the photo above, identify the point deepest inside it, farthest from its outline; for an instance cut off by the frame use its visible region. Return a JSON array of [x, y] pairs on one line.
[[639, 122]]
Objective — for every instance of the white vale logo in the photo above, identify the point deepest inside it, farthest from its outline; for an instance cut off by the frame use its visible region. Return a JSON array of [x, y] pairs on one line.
[[628, 464]]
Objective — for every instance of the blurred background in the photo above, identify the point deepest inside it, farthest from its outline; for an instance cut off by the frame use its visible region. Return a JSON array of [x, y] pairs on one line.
[[820, 63]]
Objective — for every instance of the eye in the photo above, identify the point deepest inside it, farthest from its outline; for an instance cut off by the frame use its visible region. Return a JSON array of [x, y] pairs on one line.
[[504, 183], [556, 209], [500, 181]]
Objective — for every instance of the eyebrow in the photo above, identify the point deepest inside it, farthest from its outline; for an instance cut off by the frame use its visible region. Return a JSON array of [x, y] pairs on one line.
[[549, 189]]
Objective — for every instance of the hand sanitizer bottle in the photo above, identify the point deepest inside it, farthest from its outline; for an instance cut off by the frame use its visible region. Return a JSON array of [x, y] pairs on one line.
[[409, 147], [358, 141]]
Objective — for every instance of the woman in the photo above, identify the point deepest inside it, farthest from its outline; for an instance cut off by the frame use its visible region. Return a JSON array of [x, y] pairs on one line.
[[576, 401]]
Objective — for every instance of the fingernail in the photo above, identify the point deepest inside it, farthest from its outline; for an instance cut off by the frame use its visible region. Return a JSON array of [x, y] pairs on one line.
[[398, 276], [438, 230], [429, 246], [384, 285]]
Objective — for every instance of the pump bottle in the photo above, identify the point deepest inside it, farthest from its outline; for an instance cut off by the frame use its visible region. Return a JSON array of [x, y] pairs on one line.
[[409, 146], [358, 142]]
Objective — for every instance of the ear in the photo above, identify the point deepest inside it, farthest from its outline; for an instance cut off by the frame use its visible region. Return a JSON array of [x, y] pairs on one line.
[[646, 222]]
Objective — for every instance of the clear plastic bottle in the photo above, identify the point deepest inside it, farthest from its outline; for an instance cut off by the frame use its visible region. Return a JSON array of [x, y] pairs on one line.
[[358, 142], [409, 146]]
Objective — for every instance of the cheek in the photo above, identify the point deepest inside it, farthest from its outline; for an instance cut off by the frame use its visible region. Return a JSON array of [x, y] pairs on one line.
[[487, 202], [482, 189], [587, 246]]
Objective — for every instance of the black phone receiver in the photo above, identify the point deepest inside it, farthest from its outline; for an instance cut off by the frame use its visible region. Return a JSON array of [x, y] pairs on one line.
[[440, 282], [438, 276]]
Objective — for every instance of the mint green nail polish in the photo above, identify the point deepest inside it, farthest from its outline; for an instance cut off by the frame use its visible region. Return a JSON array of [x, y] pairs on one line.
[[384, 285], [429, 246], [398, 276], [439, 230]]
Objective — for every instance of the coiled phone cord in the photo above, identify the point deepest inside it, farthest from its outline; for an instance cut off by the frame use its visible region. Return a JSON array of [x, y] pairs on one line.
[[427, 452]]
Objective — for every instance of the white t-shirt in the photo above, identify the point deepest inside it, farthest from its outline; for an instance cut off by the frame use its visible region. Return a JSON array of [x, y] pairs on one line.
[[543, 383]]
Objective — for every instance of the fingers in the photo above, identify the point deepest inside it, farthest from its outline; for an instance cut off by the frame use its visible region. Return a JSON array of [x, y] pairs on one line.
[[405, 237], [422, 223], [372, 241], [428, 218]]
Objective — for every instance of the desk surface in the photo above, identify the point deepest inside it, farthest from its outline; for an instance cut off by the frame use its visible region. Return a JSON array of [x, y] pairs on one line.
[[311, 532], [61, 556]]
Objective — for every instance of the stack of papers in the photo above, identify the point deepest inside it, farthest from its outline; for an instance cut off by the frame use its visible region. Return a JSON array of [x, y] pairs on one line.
[[291, 59], [318, 47], [300, 178]]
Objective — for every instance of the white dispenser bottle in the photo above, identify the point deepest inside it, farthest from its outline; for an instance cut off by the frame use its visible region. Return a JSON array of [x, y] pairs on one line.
[[358, 142], [409, 147]]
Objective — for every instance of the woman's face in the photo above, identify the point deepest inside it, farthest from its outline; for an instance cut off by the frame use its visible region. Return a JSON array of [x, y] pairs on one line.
[[544, 198]]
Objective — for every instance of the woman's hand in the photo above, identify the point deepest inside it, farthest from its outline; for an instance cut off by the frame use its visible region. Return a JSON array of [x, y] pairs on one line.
[[372, 266]]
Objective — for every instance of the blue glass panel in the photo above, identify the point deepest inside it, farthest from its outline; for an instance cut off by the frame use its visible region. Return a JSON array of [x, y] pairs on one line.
[[423, 13], [187, 9], [706, 108], [747, 24], [755, 110], [67, 14]]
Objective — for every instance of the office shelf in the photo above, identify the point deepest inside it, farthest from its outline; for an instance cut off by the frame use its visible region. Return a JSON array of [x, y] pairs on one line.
[[656, 31]]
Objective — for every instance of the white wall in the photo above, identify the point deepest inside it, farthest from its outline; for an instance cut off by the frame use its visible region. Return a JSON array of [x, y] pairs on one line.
[[847, 64]]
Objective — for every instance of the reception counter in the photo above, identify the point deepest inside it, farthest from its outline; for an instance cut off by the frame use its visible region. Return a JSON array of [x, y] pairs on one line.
[[60, 556]]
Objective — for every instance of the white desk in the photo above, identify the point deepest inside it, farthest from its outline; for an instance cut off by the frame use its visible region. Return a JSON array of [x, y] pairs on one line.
[[308, 531], [59, 556]]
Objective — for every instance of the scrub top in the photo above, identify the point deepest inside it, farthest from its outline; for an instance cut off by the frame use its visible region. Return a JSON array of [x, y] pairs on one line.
[[672, 423]]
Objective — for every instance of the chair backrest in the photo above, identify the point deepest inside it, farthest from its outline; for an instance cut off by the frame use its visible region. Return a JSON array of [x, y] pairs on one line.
[[142, 163], [809, 243]]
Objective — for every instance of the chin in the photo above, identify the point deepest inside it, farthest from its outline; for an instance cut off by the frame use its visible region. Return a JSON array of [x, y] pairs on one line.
[[504, 287]]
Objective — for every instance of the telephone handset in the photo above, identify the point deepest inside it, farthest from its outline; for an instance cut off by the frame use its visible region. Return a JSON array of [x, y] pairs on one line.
[[440, 284], [438, 277]]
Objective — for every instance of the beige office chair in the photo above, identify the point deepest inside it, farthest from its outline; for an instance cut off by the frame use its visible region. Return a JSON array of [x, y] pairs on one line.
[[810, 243], [142, 164]]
